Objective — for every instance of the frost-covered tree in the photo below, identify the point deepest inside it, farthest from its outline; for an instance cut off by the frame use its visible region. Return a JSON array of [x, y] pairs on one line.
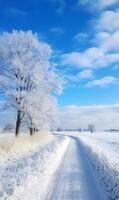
[[41, 112], [25, 66], [91, 128]]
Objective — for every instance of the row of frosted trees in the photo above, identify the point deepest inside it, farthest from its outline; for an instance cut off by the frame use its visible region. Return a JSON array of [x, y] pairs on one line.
[[29, 79]]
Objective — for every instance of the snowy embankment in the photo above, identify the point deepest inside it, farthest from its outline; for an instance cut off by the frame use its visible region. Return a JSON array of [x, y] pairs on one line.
[[14, 147], [102, 151], [26, 177]]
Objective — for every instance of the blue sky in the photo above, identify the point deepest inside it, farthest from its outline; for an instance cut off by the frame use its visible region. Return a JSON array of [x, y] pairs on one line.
[[85, 38]]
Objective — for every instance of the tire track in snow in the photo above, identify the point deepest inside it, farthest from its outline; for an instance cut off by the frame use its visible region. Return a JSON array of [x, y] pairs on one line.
[[73, 180]]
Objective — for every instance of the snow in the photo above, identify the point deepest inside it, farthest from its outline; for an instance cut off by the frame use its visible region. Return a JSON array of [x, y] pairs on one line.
[[71, 166], [90, 169], [102, 151], [73, 180], [12, 147], [27, 177]]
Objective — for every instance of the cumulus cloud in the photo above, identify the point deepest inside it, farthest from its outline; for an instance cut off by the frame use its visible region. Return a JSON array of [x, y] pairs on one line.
[[99, 4], [107, 31], [104, 47], [111, 43], [108, 21], [85, 74], [82, 59], [101, 116], [100, 38], [105, 81], [94, 58], [103, 53]]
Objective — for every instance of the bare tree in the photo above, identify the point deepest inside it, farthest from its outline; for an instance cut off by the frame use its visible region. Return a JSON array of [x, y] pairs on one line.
[[91, 128]]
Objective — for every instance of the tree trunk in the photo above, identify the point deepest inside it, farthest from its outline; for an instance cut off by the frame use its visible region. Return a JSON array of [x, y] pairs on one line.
[[18, 123], [31, 130]]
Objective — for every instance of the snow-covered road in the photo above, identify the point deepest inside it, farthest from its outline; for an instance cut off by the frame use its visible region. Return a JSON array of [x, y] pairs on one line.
[[74, 179], [72, 167]]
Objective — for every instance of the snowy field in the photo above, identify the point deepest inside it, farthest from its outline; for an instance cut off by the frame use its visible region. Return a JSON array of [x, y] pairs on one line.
[[63, 166], [102, 150]]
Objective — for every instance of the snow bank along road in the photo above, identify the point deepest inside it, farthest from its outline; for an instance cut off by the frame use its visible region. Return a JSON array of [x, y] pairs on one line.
[[102, 150], [27, 177], [74, 179]]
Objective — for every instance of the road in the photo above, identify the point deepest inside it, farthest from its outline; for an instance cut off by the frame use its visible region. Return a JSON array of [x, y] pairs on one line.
[[74, 179]]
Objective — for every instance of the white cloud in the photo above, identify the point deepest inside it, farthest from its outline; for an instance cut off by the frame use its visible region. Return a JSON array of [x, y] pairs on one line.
[[105, 81], [85, 74], [107, 27], [100, 37], [94, 57], [102, 116], [99, 4], [81, 59], [107, 42], [111, 43], [108, 21], [105, 52]]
